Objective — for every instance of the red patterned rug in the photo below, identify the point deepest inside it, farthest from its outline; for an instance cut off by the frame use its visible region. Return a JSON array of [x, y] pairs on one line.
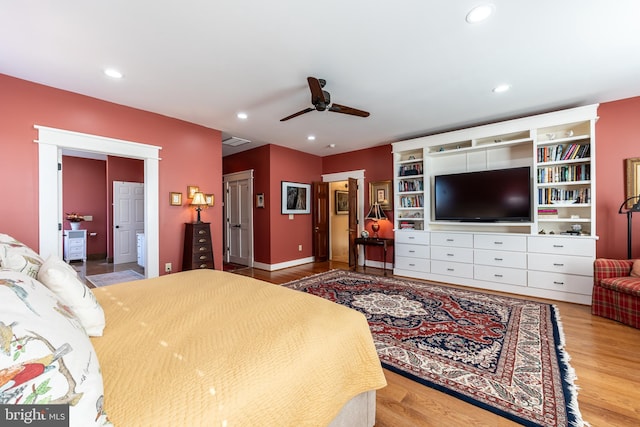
[[502, 354]]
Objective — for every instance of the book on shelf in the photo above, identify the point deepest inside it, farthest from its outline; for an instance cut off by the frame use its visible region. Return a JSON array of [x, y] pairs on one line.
[[547, 213]]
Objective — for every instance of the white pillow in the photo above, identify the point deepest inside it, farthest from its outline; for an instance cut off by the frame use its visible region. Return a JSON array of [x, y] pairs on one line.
[[63, 280], [43, 333]]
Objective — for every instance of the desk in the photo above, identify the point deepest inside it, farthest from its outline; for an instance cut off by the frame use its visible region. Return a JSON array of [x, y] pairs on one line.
[[371, 241]]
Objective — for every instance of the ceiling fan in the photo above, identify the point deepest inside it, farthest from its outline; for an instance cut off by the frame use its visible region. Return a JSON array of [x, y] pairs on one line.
[[320, 99]]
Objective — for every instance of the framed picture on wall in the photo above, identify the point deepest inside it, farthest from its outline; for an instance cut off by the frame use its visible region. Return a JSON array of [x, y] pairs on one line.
[[296, 198], [380, 192], [191, 190], [342, 202], [175, 199], [260, 200], [632, 170]]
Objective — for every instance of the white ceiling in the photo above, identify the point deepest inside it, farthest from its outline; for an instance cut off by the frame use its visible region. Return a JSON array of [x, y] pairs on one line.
[[415, 65]]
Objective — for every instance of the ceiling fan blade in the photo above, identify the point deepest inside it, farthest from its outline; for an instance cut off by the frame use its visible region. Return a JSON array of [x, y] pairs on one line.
[[337, 108], [317, 94], [299, 113]]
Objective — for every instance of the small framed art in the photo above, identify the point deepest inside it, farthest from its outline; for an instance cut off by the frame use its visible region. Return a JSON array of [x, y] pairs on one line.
[[175, 199], [380, 192], [260, 200], [191, 190], [210, 198], [296, 198], [342, 202]]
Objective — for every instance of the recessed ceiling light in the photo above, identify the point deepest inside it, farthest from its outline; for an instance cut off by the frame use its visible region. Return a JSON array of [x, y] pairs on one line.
[[112, 72], [501, 88], [480, 13], [311, 138], [332, 145], [242, 116]]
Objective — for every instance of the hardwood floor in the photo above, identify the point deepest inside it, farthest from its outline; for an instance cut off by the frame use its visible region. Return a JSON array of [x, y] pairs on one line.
[[605, 355]]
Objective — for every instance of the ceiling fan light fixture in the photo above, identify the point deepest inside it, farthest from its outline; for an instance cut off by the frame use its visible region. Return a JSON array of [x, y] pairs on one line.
[[480, 13], [311, 138]]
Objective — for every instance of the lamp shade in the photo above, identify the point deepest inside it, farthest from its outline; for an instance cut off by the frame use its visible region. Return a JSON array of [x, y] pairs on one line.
[[376, 213], [198, 199]]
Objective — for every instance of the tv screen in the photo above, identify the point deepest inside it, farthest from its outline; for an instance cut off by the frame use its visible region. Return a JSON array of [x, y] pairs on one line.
[[485, 196]]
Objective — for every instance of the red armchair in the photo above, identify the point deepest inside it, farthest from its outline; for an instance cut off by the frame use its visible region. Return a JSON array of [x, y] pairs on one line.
[[616, 294]]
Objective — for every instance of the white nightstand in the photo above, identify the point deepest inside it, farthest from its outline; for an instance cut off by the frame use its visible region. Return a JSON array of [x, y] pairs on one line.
[[75, 245]]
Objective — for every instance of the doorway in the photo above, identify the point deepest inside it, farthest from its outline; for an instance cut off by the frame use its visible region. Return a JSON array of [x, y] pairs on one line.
[[238, 218]]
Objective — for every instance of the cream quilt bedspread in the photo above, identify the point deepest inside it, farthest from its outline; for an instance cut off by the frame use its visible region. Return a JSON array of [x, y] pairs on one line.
[[206, 347]]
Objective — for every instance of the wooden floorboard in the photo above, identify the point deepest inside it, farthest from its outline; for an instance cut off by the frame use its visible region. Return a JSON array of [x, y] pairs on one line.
[[605, 355]]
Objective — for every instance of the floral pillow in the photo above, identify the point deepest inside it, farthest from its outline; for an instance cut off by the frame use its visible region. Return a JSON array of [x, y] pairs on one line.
[[45, 355], [16, 256], [63, 280]]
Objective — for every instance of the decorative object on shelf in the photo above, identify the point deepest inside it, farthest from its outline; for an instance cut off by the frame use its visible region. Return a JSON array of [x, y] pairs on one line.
[[74, 220], [260, 200], [192, 190], [381, 193], [624, 209], [364, 234], [175, 199], [342, 202], [376, 214], [632, 173], [210, 198], [198, 201], [296, 198]]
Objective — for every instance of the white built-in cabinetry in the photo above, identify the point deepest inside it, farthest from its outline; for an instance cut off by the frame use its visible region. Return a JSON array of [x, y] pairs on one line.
[[536, 258]]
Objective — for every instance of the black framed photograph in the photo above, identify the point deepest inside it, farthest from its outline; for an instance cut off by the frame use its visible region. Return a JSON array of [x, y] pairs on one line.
[[342, 202], [260, 200], [380, 192], [296, 198]]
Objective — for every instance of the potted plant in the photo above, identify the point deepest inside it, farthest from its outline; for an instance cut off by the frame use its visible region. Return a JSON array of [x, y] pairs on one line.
[[74, 220]]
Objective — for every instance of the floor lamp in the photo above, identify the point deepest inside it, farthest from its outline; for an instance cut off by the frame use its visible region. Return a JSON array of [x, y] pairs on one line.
[[629, 212]]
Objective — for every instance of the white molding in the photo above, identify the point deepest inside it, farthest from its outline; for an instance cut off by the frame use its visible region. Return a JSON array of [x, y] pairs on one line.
[[287, 264], [50, 141]]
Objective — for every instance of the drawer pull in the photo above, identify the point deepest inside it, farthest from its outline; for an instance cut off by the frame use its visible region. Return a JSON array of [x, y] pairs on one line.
[[411, 237], [203, 265], [412, 251], [450, 269], [497, 275], [498, 259], [558, 283], [202, 232], [202, 240], [449, 240], [203, 257], [450, 255], [412, 265], [558, 246], [202, 248], [497, 243], [555, 264]]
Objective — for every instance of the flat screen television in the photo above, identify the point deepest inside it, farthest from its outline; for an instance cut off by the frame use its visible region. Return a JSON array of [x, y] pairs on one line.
[[499, 195]]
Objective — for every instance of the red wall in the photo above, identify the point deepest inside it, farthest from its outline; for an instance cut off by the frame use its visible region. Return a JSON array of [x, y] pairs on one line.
[[617, 139], [191, 155], [276, 237]]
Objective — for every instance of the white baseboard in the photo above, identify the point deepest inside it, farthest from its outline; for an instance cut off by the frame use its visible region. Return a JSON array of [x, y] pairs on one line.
[[280, 266]]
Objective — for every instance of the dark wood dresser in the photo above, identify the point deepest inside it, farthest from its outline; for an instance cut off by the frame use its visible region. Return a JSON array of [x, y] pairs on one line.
[[198, 251]]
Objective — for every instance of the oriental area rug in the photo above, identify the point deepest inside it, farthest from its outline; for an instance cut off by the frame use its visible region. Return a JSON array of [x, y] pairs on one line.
[[499, 353]]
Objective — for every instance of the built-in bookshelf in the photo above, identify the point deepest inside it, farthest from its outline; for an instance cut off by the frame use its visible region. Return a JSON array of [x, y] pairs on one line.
[[550, 256], [409, 193]]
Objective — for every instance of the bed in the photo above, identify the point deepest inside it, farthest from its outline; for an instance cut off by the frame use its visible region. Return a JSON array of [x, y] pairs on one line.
[[200, 347]]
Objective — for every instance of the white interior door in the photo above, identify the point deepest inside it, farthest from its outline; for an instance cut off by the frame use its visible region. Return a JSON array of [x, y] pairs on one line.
[[238, 210], [128, 220]]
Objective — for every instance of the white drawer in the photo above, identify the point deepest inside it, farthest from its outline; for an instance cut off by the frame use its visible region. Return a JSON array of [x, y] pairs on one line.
[[76, 243], [461, 240], [445, 253], [500, 258], [511, 276], [562, 245], [501, 242], [561, 282], [413, 264], [561, 264], [418, 238], [452, 269], [413, 251]]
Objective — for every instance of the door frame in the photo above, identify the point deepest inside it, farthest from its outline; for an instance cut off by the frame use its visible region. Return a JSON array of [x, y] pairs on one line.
[[344, 176], [50, 142], [238, 176]]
